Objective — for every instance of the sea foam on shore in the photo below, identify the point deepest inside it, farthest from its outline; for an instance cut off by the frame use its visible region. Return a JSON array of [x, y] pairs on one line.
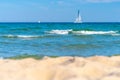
[[61, 68]]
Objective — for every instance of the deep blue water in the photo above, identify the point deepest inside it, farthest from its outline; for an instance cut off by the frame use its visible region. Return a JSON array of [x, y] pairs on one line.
[[59, 39]]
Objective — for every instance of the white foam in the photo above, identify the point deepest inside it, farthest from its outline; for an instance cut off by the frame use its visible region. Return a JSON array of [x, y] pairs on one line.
[[27, 36], [62, 32], [115, 34], [21, 36], [83, 32], [94, 32]]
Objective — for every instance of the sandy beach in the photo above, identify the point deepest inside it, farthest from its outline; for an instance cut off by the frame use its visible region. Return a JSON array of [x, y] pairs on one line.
[[61, 68]]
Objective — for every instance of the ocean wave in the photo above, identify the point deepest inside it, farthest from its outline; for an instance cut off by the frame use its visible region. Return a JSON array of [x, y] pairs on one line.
[[94, 32], [83, 32], [27, 36], [59, 31], [63, 32], [115, 34], [20, 36]]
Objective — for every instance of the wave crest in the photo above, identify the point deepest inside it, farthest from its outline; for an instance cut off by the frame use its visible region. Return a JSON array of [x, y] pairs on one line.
[[21, 36], [94, 32], [82, 32], [59, 31]]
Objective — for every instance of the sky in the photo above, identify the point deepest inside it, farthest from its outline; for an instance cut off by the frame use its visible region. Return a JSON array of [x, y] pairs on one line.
[[59, 10]]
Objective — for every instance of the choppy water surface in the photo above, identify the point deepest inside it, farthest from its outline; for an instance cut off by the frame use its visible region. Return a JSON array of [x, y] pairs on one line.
[[59, 39]]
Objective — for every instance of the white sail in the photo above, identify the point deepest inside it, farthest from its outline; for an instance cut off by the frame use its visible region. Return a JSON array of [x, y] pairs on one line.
[[78, 19]]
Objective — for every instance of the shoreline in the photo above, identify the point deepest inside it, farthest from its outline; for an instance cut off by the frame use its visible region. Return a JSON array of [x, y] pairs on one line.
[[39, 57], [61, 68]]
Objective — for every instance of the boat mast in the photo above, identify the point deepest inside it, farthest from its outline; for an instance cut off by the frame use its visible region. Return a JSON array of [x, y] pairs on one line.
[[78, 19], [78, 14]]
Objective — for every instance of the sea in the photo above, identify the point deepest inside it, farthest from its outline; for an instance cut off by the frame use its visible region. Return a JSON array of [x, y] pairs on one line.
[[59, 39]]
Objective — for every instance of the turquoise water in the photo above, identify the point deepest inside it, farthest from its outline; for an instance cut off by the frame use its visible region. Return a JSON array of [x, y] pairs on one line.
[[59, 39]]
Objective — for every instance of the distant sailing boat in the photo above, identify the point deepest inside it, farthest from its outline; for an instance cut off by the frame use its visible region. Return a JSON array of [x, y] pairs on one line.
[[78, 19]]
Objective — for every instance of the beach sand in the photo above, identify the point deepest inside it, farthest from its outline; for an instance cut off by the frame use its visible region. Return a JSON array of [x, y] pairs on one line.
[[61, 68]]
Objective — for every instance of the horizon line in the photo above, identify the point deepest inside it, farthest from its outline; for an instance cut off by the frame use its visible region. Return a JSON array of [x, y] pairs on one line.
[[57, 22]]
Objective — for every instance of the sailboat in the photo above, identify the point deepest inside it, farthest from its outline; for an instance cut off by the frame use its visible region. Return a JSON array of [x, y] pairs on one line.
[[78, 19]]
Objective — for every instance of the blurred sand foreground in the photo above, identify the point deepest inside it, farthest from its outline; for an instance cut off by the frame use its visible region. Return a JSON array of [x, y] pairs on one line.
[[61, 68]]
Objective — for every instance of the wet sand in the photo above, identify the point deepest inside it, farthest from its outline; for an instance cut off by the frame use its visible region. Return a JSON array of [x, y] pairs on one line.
[[61, 68]]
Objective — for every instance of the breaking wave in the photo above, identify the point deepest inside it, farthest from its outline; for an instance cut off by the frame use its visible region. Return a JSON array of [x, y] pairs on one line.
[[83, 32], [20, 36], [27, 36], [94, 32], [59, 31], [63, 32]]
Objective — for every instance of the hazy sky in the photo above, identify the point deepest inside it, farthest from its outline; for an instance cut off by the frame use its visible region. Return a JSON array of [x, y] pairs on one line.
[[59, 10]]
